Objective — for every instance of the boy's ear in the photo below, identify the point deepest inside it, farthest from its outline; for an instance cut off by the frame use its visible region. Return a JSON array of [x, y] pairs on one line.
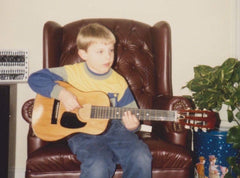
[[83, 54]]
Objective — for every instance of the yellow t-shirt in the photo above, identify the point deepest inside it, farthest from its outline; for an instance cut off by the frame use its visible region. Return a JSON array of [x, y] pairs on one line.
[[111, 83]]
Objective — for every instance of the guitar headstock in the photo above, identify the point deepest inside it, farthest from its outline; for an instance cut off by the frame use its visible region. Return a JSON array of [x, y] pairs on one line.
[[197, 119]]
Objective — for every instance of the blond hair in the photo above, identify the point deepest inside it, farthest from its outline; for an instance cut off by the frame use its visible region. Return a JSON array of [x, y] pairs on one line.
[[93, 33]]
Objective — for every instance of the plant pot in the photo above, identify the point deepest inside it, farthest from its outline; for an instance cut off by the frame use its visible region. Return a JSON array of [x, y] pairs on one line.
[[211, 152]]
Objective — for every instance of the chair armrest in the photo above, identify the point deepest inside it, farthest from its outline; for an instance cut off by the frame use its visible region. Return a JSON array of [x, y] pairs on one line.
[[34, 142], [27, 109], [172, 131], [172, 103]]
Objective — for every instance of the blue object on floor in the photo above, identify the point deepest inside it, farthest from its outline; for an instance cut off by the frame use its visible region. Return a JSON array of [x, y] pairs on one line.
[[212, 147]]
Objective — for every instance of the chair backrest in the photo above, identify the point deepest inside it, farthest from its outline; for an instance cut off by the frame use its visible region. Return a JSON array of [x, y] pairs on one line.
[[143, 53], [143, 57]]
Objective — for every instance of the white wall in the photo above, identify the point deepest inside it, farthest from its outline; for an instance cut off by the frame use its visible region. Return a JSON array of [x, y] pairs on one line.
[[203, 32], [237, 32]]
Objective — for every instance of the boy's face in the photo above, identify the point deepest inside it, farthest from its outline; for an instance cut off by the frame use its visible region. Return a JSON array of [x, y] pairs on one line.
[[99, 57]]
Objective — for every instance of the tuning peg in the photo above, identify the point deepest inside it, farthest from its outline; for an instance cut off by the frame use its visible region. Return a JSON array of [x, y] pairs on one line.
[[187, 127], [204, 130]]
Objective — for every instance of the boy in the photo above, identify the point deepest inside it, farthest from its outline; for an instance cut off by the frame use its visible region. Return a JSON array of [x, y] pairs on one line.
[[98, 154]]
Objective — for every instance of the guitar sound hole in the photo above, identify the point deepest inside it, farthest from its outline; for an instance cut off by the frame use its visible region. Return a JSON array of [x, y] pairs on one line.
[[70, 120]]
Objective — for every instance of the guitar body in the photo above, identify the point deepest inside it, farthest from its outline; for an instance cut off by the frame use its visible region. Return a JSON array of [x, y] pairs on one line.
[[50, 120]]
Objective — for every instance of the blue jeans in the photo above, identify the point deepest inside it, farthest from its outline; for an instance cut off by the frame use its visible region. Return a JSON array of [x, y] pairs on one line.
[[99, 154]]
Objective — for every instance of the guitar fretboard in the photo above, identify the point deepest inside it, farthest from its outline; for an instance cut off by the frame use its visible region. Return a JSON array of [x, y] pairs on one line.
[[104, 112]]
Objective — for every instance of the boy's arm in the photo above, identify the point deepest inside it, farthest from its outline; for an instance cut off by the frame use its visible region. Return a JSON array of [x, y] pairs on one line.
[[44, 83], [129, 120], [127, 100]]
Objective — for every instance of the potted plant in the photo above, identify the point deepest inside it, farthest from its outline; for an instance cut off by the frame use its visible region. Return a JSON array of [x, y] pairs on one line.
[[213, 87]]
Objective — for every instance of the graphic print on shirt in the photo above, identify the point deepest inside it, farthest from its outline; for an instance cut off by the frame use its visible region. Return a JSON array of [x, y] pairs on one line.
[[113, 97]]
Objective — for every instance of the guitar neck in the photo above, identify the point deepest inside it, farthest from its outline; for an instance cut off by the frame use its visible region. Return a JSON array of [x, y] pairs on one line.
[[103, 112]]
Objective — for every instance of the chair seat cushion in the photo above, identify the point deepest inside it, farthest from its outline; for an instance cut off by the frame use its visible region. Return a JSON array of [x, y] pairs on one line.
[[58, 157]]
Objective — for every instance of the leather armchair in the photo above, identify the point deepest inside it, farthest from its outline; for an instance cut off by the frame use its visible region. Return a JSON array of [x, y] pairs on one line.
[[143, 57]]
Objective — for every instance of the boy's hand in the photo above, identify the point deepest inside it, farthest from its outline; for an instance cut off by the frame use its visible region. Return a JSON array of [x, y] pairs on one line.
[[68, 99], [130, 121]]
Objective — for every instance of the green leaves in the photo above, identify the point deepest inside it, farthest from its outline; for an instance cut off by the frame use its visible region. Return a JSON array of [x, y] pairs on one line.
[[230, 115], [202, 70], [235, 166], [213, 86], [227, 69], [233, 136]]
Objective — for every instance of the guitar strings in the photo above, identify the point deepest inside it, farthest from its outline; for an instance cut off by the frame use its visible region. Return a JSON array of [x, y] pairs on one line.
[[103, 112]]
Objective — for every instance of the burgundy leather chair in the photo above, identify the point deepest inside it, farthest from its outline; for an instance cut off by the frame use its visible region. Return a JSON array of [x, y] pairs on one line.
[[143, 57]]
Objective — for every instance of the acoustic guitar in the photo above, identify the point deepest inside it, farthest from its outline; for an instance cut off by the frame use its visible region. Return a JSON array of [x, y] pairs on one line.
[[51, 122]]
